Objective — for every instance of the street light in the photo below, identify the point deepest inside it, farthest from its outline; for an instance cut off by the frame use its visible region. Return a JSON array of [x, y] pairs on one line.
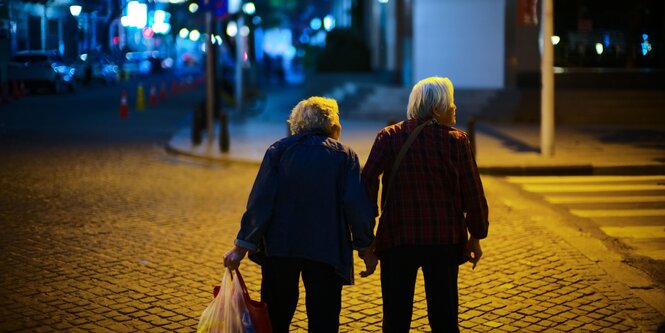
[[75, 10]]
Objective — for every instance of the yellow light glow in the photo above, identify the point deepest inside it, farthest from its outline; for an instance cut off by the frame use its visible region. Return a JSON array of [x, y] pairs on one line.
[[599, 48], [194, 35], [232, 29], [193, 7], [555, 40], [249, 8]]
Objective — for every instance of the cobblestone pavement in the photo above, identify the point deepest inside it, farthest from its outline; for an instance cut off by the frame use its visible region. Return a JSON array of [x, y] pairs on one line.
[[128, 239]]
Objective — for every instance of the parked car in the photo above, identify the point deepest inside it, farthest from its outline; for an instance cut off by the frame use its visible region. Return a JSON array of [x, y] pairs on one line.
[[145, 63], [96, 67], [137, 64], [42, 69]]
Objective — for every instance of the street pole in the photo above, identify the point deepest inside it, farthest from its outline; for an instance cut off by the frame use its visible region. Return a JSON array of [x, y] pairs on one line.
[[547, 77], [44, 26], [210, 99], [240, 54]]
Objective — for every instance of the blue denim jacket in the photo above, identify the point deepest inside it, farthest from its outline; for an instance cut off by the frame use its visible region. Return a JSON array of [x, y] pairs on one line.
[[307, 202]]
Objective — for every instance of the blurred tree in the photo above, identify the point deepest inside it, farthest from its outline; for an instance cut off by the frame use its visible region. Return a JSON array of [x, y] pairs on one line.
[[345, 50]]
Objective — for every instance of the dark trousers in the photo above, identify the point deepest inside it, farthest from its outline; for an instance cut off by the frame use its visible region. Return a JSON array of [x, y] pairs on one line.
[[323, 290], [399, 268]]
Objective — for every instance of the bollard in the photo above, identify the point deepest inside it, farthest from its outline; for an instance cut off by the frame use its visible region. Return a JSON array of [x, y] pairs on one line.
[[197, 123], [471, 132], [223, 132]]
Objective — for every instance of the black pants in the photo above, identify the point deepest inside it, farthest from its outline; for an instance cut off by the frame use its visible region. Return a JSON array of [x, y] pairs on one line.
[[399, 268], [323, 288]]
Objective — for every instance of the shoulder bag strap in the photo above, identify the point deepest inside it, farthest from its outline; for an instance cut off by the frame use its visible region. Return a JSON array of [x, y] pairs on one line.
[[398, 160]]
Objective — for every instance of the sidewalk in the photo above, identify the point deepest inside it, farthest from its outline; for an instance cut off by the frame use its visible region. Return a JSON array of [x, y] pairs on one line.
[[502, 149]]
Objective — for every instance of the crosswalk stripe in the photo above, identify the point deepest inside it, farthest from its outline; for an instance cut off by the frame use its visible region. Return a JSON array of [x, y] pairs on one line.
[[593, 188], [617, 212], [635, 231], [580, 179], [608, 199]]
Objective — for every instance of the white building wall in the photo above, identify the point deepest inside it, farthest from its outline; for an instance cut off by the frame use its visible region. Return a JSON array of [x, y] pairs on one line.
[[460, 39]]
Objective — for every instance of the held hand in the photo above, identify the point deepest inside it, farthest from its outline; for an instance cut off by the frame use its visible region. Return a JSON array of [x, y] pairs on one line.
[[232, 258], [473, 251], [370, 260]]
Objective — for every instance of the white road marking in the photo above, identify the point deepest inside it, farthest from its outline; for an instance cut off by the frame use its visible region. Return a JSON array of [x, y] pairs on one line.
[[617, 212], [605, 199], [580, 179], [635, 231]]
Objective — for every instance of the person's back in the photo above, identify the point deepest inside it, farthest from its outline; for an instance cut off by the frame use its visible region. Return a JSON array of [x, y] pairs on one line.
[[433, 199], [307, 212], [431, 187], [308, 216]]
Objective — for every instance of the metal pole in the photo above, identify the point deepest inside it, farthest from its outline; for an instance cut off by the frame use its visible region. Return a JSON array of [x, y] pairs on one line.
[[240, 58], [547, 76], [210, 99], [44, 27]]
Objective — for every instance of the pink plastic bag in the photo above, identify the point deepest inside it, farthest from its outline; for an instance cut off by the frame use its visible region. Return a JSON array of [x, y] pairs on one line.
[[227, 313]]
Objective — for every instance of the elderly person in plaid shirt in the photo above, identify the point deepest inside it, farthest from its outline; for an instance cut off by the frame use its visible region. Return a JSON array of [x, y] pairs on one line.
[[436, 200]]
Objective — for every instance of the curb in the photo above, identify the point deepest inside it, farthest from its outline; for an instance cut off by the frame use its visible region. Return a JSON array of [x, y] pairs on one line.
[[563, 170], [175, 151]]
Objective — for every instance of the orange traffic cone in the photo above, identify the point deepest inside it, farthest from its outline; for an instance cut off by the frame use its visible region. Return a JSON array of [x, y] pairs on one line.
[[16, 90], [174, 87], [4, 95], [162, 91], [153, 95], [124, 107]]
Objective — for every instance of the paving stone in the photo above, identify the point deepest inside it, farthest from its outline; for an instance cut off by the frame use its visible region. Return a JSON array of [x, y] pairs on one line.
[[137, 241]]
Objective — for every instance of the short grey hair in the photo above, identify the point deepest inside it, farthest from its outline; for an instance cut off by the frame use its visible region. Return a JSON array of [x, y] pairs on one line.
[[427, 94], [314, 113]]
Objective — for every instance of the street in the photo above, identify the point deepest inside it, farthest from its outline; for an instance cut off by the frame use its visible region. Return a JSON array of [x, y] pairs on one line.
[[628, 208], [103, 231]]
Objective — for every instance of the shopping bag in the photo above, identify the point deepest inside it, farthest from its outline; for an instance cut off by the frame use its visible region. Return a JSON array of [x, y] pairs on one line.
[[226, 311], [258, 312], [233, 311]]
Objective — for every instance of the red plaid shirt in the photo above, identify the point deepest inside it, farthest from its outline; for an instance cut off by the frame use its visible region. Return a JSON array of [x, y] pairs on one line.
[[436, 183]]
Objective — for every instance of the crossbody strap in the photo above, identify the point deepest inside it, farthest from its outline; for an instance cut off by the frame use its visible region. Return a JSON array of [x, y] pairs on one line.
[[398, 160]]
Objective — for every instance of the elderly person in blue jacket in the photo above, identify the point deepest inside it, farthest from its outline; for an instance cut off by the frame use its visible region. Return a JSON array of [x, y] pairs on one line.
[[308, 211]]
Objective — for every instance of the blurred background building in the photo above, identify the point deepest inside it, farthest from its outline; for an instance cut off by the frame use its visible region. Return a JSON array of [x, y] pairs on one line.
[[479, 44]]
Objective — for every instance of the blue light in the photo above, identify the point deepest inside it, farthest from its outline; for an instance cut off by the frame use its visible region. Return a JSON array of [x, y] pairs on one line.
[[606, 40], [315, 24], [645, 37]]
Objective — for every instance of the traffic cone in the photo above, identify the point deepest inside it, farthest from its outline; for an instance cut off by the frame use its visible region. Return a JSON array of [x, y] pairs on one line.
[[162, 91], [174, 87], [124, 108], [5, 93], [153, 94], [140, 98], [16, 90]]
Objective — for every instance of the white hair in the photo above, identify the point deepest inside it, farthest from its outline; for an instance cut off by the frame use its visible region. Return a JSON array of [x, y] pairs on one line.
[[314, 113], [428, 94]]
